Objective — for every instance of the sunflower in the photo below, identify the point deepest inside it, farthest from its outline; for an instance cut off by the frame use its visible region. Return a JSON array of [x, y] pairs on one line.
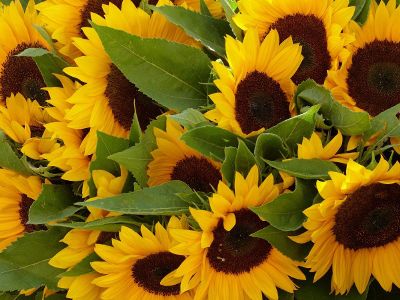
[[71, 156], [256, 89], [174, 160], [135, 264], [17, 195], [370, 79], [313, 148], [106, 101], [356, 228], [20, 74], [316, 25], [224, 261], [23, 121], [64, 20], [81, 243]]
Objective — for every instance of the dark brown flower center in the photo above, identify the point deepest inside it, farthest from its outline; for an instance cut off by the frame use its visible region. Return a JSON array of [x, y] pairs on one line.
[[106, 237], [198, 173], [370, 217], [21, 75], [95, 6], [374, 76], [235, 251], [260, 102], [309, 31], [37, 131], [123, 97], [24, 207], [149, 271]]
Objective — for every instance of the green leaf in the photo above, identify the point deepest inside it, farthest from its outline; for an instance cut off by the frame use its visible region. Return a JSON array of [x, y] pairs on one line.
[[347, 121], [305, 168], [228, 166], [110, 224], [362, 10], [24, 264], [9, 158], [386, 124], [176, 70], [136, 158], [106, 146], [279, 239], [210, 140], [293, 130], [230, 7], [321, 290], [204, 9], [286, 212], [269, 146], [47, 62], [83, 267], [160, 200], [209, 31], [135, 134], [190, 118], [244, 160], [55, 202]]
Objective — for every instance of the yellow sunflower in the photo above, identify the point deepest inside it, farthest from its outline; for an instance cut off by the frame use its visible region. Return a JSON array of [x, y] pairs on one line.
[[20, 74], [224, 261], [316, 25], [313, 148], [135, 264], [71, 156], [356, 228], [174, 160], [370, 78], [81, 243], [23, 120], [64, 20], [17, 194], [256, 90], [106, 101]]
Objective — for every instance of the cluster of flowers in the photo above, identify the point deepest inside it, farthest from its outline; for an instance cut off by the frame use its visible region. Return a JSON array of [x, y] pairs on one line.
[[199, 149]]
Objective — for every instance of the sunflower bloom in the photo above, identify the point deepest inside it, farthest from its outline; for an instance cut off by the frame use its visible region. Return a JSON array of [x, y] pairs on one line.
[[174, 160], [256, 90], [223, 260], [356, 229]]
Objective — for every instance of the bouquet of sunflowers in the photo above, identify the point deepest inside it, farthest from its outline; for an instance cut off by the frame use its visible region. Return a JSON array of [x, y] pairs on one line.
[[199, 149]]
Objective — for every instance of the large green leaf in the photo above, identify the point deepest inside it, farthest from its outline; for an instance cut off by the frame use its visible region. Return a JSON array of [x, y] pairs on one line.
[[210, 140], [209, 31], [47, 62], [9, 159], [305, 168], [347, 121], [279, 239], [136, 158], [293, 130], [286, 211], [177, 70], [362, 10], [106, 146], [159, 200], [24, 264], [55, 202]]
